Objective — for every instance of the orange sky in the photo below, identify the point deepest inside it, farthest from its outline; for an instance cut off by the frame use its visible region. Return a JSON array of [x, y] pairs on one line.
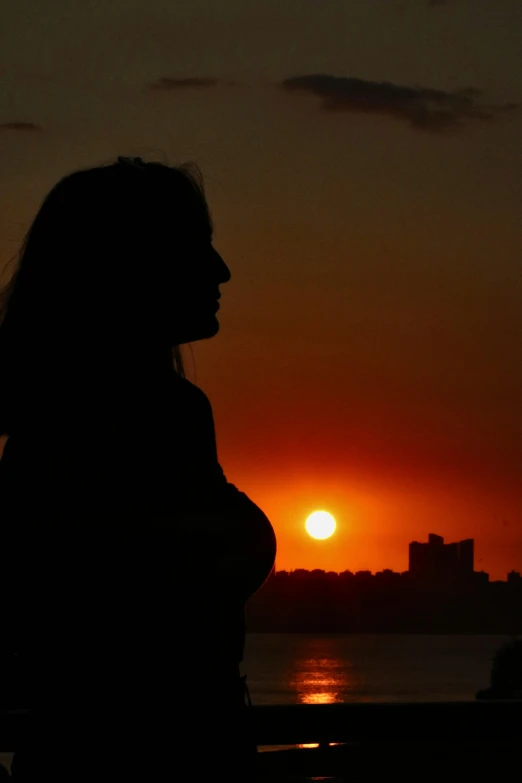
[[368, 361]]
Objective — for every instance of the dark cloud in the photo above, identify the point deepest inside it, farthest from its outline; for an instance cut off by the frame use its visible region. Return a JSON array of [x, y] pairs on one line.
[[26, 127], [165, 83], [421, 107]]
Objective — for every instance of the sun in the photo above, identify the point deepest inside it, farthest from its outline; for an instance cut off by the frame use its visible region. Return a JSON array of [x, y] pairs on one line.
[[320, 525]]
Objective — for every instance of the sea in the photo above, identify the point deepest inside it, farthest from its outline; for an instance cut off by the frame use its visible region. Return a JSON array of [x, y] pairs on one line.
[[329, 669]]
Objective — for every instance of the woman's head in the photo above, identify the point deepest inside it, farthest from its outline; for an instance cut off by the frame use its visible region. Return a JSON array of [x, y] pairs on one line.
[[117, 268]]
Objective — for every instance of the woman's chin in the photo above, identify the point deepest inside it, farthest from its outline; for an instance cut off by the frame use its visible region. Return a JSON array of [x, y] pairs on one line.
[[203, 330]]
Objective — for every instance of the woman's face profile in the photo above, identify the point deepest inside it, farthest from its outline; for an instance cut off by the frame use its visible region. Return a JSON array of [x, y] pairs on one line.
[[193, 301]]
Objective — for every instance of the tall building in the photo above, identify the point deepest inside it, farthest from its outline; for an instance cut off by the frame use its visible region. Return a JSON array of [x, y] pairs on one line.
[[467, 555], [438, 562]]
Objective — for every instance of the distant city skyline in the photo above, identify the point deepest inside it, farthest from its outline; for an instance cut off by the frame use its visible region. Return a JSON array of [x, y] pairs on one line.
[[320, 601], [435, 560]]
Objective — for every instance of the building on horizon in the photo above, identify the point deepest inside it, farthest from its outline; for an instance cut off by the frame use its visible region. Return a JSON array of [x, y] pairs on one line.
[[439, 562]]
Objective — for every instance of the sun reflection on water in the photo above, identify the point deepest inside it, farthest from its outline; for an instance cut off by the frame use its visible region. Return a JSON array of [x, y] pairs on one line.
[[320, 680], [319, 698]]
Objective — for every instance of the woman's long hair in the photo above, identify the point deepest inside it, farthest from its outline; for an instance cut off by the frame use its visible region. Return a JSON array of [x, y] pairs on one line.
[[89, 296]]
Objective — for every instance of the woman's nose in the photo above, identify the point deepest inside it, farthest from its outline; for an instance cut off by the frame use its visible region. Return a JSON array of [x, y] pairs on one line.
[[222, 269]]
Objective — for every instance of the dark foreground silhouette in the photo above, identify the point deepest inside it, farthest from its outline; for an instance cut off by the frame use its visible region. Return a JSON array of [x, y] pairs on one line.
[[506, 673], [127, 556]]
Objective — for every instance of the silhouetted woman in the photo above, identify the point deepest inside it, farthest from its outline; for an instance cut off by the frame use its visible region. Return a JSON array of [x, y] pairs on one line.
[[127, 556]]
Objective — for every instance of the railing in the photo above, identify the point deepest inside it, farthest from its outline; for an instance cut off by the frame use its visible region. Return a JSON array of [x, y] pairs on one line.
[[450, 741], [457, 740], [327, 723]]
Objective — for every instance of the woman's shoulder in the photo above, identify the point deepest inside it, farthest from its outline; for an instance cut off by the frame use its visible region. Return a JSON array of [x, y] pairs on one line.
[[194, 394]]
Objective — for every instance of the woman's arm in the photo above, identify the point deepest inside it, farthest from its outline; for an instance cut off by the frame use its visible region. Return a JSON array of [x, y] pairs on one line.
[[220, 519]]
